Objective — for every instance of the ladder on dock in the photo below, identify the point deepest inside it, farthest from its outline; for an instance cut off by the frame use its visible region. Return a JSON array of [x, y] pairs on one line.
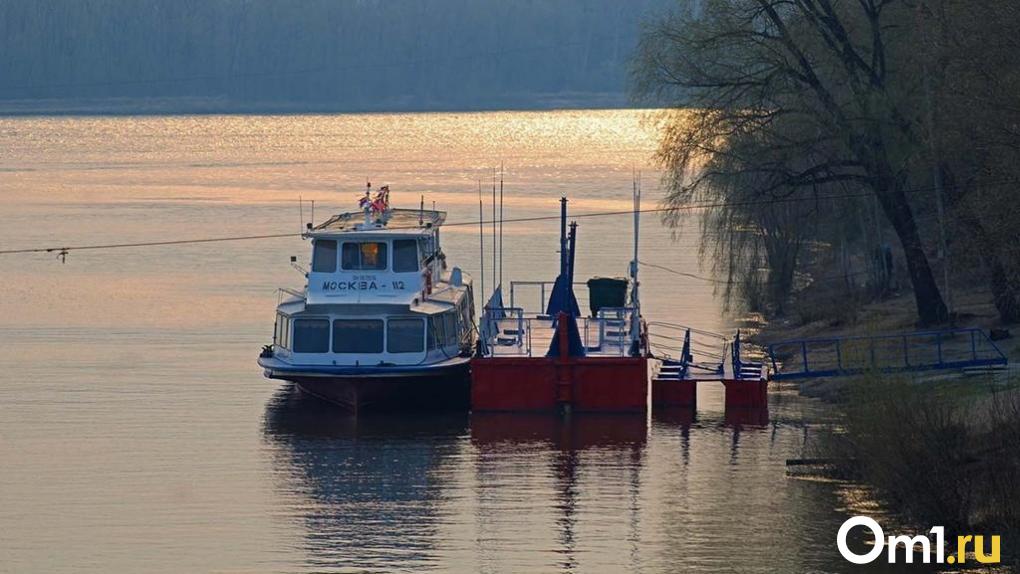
[[950, 349]]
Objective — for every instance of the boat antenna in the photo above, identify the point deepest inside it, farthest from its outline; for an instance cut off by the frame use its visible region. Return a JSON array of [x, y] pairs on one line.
[[313, 213], [481, 236], [421, 211], [494, 244], [501, 223], [635, 299]]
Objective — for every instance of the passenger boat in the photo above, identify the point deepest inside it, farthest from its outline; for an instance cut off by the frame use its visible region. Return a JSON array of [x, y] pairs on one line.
[[382, 323]]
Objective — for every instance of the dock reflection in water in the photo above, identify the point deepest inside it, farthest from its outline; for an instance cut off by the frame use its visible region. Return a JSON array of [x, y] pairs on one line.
[[494, 492]]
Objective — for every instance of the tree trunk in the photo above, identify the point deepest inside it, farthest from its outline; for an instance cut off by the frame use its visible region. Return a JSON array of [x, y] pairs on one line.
[[870, 149], [1005, 294], [931, 309]]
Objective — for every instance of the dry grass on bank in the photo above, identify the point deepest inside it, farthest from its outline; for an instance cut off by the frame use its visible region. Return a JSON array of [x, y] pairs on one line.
[[934, 455], [938, 448]]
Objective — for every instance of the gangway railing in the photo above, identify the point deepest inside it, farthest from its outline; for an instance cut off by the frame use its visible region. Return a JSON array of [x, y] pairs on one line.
[[909, 352], [701, 355], [506, 331], [684, 349]]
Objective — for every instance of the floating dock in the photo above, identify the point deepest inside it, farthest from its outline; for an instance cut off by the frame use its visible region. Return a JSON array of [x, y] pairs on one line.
[[553, 359], [556, 360]]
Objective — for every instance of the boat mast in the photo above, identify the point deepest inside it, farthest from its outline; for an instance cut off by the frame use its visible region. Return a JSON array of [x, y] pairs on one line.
[[481, 236], [635, 300], [501, 224], [494, 244]]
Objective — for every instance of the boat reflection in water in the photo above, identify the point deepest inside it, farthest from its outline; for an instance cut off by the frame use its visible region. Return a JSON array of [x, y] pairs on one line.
[[458, 491], [368, 488]]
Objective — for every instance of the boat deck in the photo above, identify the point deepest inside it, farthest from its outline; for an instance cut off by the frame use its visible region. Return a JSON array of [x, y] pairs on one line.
[[532, 336]]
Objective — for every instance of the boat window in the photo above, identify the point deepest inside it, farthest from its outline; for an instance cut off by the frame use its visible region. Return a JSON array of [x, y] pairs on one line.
[[405, 335], [278, 330], [357, 335], [324, 256], [285, 332], [364, 256], [450, 327], [405, 255], [435, 331], [311, 335]]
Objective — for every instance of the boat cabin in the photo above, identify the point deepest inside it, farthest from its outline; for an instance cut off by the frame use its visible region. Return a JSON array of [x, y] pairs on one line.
[[378, 294]]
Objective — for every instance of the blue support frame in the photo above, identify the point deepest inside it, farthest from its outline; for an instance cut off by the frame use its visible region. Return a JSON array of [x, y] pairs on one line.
[[988, 355]]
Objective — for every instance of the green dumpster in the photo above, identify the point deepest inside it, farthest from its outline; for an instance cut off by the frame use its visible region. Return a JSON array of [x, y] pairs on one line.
[[606, 292]]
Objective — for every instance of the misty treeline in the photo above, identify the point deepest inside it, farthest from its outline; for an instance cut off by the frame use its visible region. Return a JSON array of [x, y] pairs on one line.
[[846, 147], [348, 55]]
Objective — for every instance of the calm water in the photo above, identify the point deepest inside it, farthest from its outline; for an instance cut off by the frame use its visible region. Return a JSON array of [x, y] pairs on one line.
[[138, 435]]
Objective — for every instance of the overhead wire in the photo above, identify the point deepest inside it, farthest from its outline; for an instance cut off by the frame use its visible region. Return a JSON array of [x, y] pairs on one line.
[[64, 249]]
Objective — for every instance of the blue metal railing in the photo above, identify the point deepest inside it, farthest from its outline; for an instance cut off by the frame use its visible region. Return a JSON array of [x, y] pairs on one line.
[[908, 352]]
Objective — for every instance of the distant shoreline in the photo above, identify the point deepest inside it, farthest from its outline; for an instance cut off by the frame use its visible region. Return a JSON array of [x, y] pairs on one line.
[[212, 106]]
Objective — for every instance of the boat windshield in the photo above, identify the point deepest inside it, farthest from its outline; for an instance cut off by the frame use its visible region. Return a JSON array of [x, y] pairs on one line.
[[366, 256], [324, 256], [405, 255]]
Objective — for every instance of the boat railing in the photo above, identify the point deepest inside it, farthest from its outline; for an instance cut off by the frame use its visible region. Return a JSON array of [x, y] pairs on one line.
[[281, 291], [896, 353], [525, 294], [508, 332], [696, 349]]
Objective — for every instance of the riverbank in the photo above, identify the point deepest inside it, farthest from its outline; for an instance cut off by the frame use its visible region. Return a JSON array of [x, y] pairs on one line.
[[935, 449], [826, 315]]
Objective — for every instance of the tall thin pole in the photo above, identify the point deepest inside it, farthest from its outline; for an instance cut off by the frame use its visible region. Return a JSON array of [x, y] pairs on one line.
[[481, 237], [494, 227], [501, 223], [563, 236], [635, 331], [563, 277]]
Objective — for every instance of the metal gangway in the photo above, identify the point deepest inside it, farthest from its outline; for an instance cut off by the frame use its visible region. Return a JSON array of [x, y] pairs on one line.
[[950, 349], [689, 356], [687, 353]]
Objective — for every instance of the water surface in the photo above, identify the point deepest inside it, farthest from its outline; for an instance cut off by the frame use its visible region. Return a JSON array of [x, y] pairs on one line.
[[137, 433]]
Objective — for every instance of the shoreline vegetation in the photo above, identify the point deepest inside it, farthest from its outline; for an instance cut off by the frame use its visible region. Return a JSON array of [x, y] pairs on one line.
[[858, 163], [933, 449]]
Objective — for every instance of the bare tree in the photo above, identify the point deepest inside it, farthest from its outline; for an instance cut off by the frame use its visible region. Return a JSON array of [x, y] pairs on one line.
[[789, 97]]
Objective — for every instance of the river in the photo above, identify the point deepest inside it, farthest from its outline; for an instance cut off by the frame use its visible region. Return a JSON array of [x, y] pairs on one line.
[[137, 433]]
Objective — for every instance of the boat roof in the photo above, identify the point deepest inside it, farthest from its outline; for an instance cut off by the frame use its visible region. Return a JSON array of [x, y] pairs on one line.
[[409, 221]]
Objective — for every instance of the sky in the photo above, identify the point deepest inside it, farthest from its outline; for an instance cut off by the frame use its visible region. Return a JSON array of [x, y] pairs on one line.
[[354, 55]]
